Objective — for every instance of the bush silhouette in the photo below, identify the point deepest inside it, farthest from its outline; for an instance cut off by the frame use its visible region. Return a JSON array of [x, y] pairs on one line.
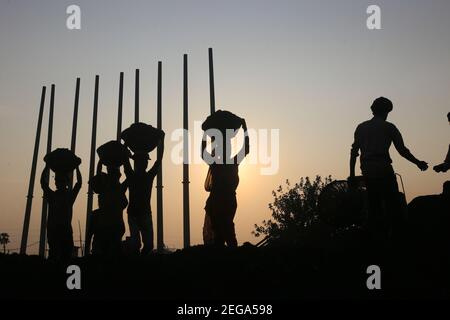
[[295, 215]]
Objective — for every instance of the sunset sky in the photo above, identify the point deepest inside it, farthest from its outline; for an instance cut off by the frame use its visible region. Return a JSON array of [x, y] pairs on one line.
[[308, 68]]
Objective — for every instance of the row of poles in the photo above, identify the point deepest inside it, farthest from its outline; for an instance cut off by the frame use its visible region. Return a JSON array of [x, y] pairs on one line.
[[90, 194]]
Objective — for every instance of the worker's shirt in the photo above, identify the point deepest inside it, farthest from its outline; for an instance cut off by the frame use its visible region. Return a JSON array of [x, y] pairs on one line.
[[112, 199], [60, 204], [374, 138], [225, 178], [140, 191]]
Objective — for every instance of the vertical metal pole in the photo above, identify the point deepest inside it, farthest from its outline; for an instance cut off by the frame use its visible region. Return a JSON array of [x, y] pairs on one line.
[[136, 97], [73, 142], [119, 112], [81, 241], [26, 222], [212, 94], [91, 168], [212, 97], [75, 117], [159, 184], [186, 227], [43, 232]]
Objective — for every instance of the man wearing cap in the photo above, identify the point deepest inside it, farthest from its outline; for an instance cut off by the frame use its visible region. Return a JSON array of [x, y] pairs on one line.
[[443, 167], [373, 139]]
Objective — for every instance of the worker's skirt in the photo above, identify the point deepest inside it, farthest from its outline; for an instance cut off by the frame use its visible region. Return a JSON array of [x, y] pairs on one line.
[[220, 211]]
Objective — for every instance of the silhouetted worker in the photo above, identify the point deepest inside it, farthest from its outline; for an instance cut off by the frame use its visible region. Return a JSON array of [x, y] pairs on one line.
[[374, 138], [429, 220], [207, 232], [221, 204], [140, 184], [109, 224], [443, 167], [59, 221]]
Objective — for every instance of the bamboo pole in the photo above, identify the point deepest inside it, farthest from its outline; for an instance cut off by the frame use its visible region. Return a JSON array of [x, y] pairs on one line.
[[91, 168], [81, 239], [212, 97], [43, 231], [212, 94], [75, 117], [119, 111], [136, 97], [26, 222], [159, 177], [186, 226], [73, 141]]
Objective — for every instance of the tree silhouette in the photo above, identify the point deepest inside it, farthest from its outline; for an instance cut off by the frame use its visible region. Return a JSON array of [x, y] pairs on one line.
[[294, 212], [4, 240]]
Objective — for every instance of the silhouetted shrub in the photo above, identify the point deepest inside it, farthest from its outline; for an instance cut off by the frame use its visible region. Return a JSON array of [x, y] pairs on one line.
[[295, 218]]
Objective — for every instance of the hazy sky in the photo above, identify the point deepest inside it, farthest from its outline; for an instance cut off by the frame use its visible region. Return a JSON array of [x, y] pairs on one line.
[[308, 68]]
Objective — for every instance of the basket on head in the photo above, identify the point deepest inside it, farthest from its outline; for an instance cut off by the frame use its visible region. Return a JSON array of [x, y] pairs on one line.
[[141, 137], [222, 120], [62, 160], [113, 153], [99, 182]]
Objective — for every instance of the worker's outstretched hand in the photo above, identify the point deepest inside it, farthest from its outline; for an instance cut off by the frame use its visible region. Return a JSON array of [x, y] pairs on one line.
[[422, 165], [441, 167]]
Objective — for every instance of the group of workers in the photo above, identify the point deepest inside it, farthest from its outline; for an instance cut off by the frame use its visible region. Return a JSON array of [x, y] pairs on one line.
[[106, 226], [372, 140]]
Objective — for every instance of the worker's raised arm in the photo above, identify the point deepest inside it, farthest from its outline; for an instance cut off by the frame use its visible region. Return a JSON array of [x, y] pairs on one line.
[[206, 156], [127, 167], [99, 166], [160, 155], [77, 186], [45, 181], [245, 150]]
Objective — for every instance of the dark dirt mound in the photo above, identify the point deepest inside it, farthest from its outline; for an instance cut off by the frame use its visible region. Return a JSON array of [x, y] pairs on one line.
[[244, 273]]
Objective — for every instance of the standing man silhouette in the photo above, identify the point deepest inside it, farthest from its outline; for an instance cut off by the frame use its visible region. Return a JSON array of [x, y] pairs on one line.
[[140, 184], [443, 167], [108, 219], [221, 204], [59, 223], [374, 138]]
